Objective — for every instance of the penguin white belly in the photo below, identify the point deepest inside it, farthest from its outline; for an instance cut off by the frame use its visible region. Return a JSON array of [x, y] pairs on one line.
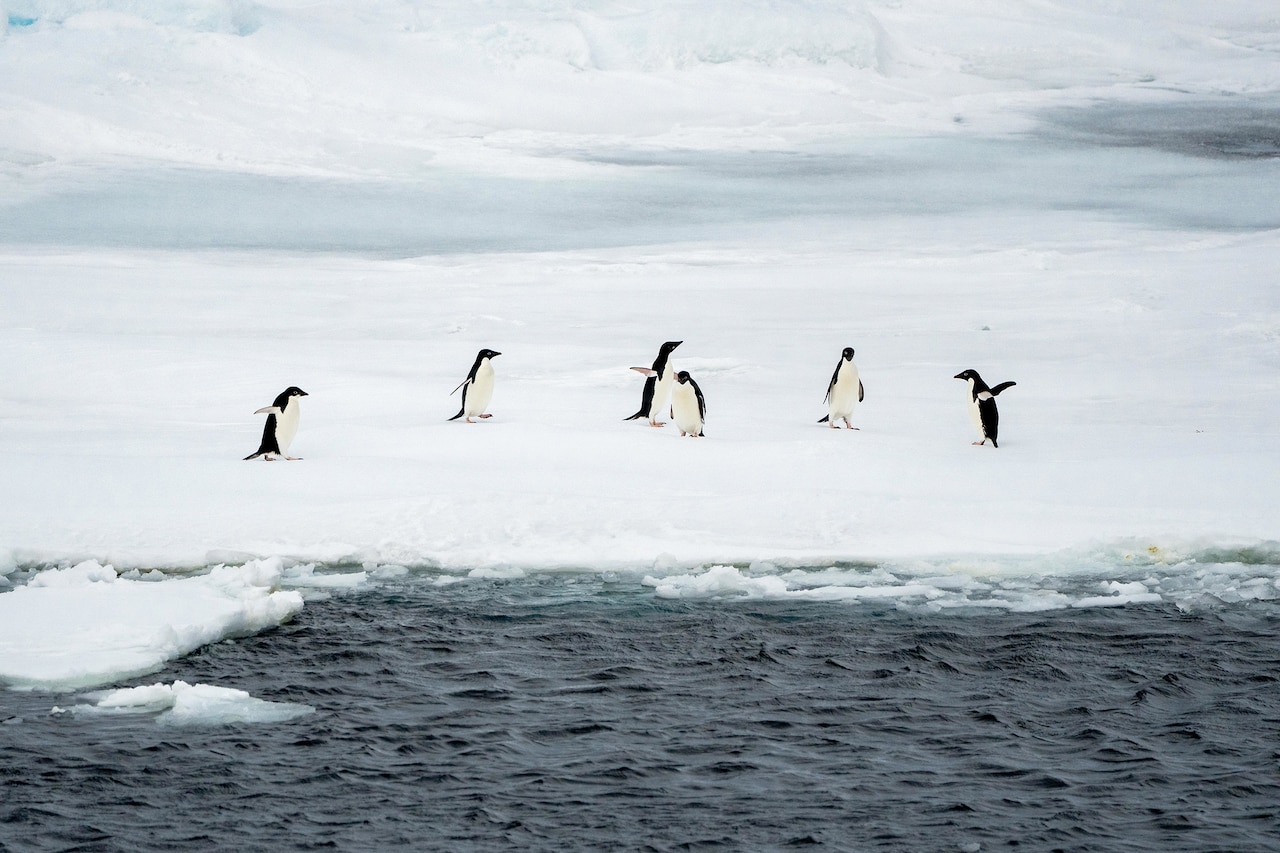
[[661, 393], [975, 414], [844, 394], [287, 425], [479, 392], [684, 408]]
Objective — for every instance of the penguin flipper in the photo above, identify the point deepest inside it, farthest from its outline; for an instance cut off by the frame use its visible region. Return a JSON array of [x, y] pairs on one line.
[[702, 403], [269, 410], [824, 419], [832, 384], [1003, 385], [861, 393], [647, 371], [460, 384], [463, 407]]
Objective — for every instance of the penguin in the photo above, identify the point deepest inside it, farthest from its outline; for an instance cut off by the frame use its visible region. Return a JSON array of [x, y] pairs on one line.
[[657, 388], [477, 388], [982, 406], [688, 406], [282, 425], [840, 392]]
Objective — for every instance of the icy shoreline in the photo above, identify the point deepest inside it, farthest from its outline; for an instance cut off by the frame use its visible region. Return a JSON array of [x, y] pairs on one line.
[[87, 626]]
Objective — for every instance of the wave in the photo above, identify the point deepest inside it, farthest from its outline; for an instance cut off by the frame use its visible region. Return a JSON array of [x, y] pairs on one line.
[[1106, 577]]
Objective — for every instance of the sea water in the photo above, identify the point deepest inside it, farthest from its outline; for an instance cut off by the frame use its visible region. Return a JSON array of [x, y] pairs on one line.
[[1189, 167], [588, 711]]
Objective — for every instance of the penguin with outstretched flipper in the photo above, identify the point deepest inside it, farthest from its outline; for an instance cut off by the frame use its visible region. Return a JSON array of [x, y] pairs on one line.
[[982, 406], [657, 385], [282, 425]]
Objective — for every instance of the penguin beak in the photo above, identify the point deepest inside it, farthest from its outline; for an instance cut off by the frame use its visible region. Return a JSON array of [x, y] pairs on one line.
[[958, 376]]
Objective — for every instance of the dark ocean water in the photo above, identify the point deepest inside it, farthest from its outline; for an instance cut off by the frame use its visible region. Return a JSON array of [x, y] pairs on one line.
[[553, 713]]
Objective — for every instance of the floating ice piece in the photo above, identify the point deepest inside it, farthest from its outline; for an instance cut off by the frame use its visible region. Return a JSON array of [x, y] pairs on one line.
[[193, 704], [1122, 593], [85, 626], [305, 576]]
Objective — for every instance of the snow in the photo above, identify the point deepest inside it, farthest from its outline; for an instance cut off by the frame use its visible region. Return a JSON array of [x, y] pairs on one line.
[[1145, 404], [202, 203]]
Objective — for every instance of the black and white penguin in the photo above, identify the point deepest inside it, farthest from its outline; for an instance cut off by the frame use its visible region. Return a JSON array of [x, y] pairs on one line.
[[477, 388], [982, 406], [282, 425], [844, 391], [688, 406], [657, 387]]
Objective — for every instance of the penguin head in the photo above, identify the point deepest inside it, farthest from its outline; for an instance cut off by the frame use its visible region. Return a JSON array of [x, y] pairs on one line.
[[683, 377], [968, 374], [295, 391], [670, 345], [488, 353], [847, 354]]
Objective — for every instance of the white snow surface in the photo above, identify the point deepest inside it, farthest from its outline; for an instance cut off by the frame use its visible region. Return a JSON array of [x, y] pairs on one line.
[[1148, 367], [390, 88], [566, 166]]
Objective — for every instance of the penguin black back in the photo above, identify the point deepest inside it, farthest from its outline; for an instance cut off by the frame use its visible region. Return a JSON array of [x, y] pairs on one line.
[[982, 403], [269, 444]]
